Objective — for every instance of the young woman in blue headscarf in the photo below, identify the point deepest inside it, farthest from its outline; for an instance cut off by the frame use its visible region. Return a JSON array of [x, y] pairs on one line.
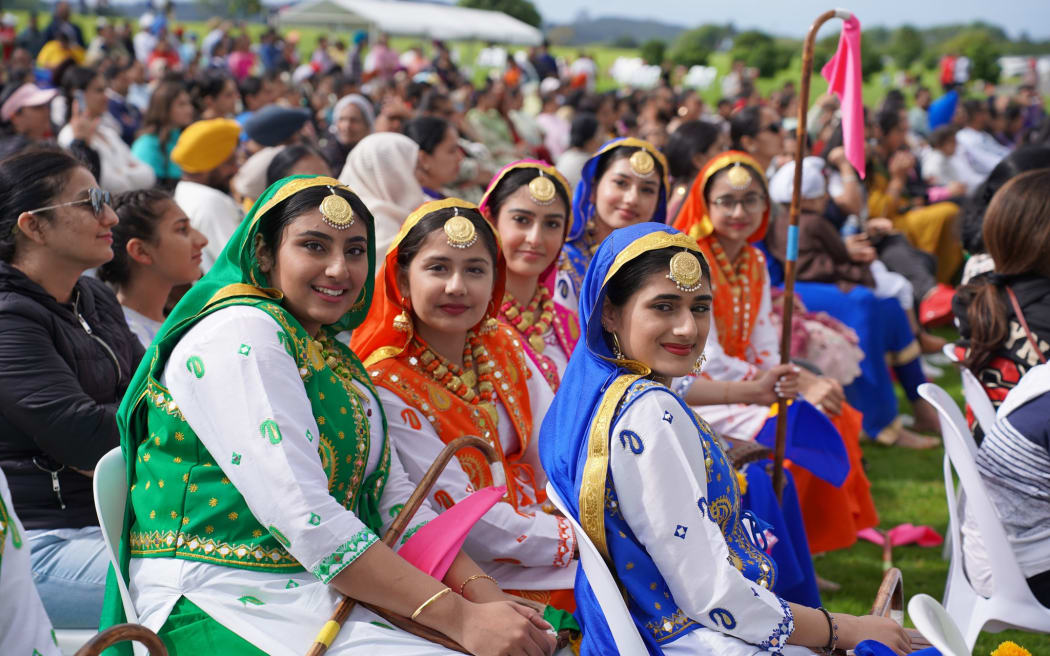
[[622, 184], [649, 481]]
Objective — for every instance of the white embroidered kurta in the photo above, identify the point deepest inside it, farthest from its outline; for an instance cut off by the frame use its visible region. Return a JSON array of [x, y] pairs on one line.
[[24, 625], [542, 543], [278, 613], [555, 352], [658, 481], [741, 420], [212, 213]]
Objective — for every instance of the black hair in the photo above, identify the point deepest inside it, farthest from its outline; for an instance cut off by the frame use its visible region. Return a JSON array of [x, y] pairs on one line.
[[887, 120], [942, 134], [115, 67], [894, 100], [1025, 158], [208, 85], [413, 241], [584, 127], [745, 123], [273, 223], [622, 152], [75, 78], [286, 159], [689, 140], [517, 179], [427, 131], [137, 211], [974, 106], [30, 179], [249, 86], [431, 100], [633, 275]]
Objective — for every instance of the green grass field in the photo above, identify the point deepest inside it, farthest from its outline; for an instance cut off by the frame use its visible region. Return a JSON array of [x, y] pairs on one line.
[[908, 487]]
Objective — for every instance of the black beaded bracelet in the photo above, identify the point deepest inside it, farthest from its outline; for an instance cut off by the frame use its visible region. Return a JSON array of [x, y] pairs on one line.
[[833, 632]]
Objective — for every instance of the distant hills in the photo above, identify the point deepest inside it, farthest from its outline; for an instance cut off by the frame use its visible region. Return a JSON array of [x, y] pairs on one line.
[[610, 29]]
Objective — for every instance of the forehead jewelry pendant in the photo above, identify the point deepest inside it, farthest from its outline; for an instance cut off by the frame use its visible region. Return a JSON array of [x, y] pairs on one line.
[[738, 177], [460, 231], [542, 189], [642, 163], [336, 211], [685, 272]]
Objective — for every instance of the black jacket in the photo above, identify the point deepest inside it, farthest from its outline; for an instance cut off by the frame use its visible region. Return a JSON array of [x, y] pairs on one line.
[[63, 371]]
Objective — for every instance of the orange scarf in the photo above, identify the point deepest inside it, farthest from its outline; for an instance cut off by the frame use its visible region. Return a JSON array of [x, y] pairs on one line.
[[737, 286], [393, 360]]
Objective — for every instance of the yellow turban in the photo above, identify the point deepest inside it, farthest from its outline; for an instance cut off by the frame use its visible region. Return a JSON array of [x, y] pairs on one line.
[[205, 144]]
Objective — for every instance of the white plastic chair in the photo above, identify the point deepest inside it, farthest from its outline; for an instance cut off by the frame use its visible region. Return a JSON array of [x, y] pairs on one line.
[[1012, 605], [621, 624], [110, 487], [978, 400], [934, 623], [949, 352]]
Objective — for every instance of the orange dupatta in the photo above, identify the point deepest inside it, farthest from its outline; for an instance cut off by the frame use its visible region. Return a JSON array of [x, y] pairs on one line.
[[737, 285], [393, 360]]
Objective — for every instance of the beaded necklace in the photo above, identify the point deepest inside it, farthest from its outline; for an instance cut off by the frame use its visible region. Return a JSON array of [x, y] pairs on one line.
[[530, 323], [474, 388], [735, 331]]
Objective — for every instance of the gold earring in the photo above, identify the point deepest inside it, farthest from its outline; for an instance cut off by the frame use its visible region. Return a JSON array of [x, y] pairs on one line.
[[402, 323], [699, 364], [617, 351], [488, 325]]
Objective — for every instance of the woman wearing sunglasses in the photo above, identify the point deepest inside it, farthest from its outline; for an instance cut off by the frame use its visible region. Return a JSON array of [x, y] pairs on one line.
[[66, 357]]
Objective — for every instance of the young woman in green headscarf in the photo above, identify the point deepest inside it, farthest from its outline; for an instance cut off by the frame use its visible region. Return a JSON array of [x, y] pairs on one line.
[[259, 468]]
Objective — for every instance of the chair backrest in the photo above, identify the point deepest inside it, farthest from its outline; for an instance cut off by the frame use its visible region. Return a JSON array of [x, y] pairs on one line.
[[621, 624], [1006, 573], [977, 399], [110, 486], [934, 623]]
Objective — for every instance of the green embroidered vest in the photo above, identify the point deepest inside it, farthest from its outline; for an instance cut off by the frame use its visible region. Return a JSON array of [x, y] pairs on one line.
[[183, 506]]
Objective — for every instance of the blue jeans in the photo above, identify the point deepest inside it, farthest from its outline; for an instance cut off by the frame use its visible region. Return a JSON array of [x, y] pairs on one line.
[[69, 569]]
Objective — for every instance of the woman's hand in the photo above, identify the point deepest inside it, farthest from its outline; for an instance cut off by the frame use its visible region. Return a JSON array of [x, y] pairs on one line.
[[860, 249], [878, 226], [780, 381], [506, 628], [83, 126], [901, 164], [825, 393], [853, 630]]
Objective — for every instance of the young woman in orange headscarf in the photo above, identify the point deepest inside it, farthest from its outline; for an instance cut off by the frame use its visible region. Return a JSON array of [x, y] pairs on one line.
[[445, 367], [726, 211], [529, 203]]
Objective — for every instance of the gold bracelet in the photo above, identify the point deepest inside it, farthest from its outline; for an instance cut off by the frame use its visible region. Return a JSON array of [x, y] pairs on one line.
[[438, 595], [463, 585]]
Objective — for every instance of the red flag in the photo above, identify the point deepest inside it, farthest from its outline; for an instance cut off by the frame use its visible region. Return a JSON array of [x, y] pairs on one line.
[[844, 80]]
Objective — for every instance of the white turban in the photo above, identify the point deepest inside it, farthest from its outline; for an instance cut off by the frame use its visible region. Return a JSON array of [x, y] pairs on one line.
[[813, 183]]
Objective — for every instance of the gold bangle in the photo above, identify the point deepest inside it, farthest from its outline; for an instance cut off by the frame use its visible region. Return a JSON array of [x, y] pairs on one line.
[[438, 595], [463, 585]]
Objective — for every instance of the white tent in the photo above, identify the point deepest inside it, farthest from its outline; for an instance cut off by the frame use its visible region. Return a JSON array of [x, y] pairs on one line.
[[432, 21]]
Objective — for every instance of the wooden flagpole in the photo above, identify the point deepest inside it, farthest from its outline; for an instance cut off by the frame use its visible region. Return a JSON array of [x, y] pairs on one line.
[[792, 237]]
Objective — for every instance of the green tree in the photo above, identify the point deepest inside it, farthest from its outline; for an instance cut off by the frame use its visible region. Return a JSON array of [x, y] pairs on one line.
[[624, 41], [654, 51], [982, 48], [235, 8], [690, 49], [523, 10], [870, 57], [761, 51], [906, 46]]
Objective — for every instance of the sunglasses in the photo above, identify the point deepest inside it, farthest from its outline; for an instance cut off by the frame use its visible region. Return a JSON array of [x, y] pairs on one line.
[[775, 128], [98, 198]]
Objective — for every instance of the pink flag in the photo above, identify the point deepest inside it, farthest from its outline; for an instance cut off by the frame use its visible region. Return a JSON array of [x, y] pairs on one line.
[[433, 548], [844, 80]]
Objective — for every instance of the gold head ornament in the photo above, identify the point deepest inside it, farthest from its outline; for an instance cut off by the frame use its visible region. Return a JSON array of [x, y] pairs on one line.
[[336, 211], [738, 177], [542, 189], [460, 231], [685, 272], [642, 163]]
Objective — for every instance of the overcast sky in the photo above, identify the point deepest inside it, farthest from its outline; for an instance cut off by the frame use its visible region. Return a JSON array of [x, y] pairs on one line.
[[793, 17]]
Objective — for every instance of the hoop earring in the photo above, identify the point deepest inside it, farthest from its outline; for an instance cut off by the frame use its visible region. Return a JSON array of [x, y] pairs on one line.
[[616, 350], [699, 364]]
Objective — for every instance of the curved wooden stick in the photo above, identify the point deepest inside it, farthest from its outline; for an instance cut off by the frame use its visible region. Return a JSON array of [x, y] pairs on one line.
[[789, 261], [123, 633], [331, 628]]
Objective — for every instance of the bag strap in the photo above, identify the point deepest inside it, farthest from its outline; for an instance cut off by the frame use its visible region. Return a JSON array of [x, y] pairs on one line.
[[1024, 324]]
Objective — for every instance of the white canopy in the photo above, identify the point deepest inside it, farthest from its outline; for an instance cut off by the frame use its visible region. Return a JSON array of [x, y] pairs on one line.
[[432, 21]]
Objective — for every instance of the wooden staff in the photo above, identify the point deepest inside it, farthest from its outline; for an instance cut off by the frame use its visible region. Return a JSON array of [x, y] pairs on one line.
[[792, 238], [331, 628]]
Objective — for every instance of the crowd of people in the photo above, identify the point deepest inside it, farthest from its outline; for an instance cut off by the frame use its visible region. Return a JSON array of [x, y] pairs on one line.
[[283, 284]]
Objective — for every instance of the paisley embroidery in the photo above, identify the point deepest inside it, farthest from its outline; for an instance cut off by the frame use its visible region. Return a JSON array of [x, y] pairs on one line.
[[630, 439]]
